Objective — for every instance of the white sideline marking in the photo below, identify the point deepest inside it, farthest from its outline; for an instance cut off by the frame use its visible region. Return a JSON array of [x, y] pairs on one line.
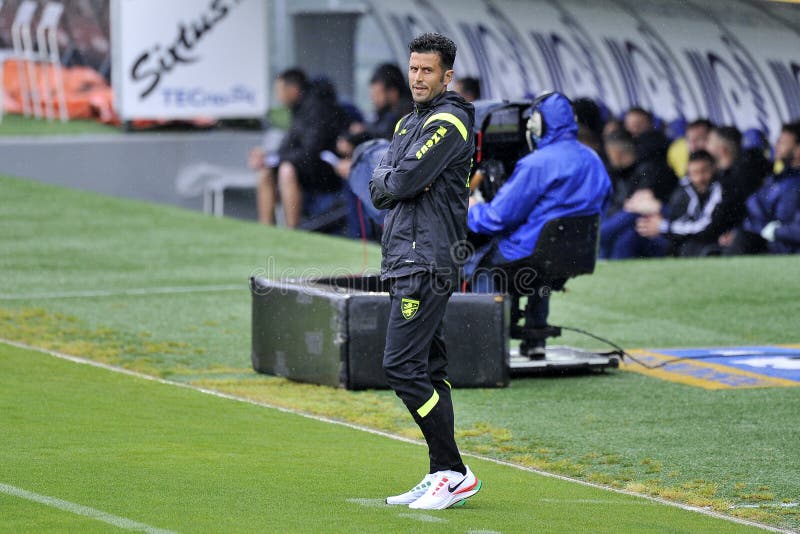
[[370, 503], [85, 361], [596, 501], [79, 509], [425, 518], [169, 290]]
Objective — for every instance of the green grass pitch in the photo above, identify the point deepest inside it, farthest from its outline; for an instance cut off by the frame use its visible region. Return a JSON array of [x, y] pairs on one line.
[[180, 460], [17, 125], [67, 259]]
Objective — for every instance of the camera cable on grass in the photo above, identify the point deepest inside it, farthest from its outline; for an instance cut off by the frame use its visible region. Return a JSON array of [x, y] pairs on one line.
[[622, 353]]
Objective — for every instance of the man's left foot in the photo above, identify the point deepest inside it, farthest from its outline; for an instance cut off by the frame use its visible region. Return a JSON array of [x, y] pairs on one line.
[[534, 350], [448, 488]]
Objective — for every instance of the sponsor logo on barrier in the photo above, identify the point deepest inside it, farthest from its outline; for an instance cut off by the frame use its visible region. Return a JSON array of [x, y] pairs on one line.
[[189, 58], [152, 64]]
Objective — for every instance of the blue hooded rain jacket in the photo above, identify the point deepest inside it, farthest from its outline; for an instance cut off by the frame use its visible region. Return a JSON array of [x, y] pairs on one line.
[[560, 178]]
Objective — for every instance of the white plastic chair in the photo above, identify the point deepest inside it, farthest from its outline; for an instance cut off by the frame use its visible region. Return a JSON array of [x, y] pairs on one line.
[[2, 83], [22, 42], [47, 41], [211, 181]]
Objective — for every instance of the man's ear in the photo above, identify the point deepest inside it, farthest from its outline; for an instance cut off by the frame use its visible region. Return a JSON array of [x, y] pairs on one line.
[[448, 76]]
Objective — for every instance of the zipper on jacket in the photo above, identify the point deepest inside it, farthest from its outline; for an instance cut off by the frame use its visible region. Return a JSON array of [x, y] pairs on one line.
[[414, 229]]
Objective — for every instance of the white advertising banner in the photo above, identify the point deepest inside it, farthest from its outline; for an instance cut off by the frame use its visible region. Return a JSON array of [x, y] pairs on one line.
[[184, 59], [734, 62]]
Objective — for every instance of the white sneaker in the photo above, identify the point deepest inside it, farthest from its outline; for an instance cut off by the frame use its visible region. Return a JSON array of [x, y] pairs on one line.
[[413, 494], [448, 488]]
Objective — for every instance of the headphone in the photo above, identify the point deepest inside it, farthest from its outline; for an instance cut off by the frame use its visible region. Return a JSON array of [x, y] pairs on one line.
[[536, 128]]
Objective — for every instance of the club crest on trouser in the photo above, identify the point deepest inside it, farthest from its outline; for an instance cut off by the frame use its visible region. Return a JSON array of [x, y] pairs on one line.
[[409, 307]]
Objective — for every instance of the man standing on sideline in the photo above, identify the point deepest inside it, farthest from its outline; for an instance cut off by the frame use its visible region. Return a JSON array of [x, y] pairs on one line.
[[423, 182]]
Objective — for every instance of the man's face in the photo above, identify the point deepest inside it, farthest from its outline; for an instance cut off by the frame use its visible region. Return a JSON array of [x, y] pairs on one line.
[[700, 173], [637, 123], [287, 94], [785, 147], [618, 157], [426, 76], [696, 138], [378, 95], [714, 145]]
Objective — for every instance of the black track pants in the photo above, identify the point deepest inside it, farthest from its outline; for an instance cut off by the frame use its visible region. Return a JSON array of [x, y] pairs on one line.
[[415, 362]]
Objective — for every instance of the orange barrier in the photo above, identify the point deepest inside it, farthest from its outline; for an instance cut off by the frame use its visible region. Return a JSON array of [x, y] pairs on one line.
[[88, 95]]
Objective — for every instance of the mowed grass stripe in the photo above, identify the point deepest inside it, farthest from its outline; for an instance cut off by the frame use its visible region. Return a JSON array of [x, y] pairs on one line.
[[185, 461], [79, 509]]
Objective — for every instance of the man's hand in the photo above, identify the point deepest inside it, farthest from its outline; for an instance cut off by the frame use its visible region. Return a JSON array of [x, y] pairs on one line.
[[649, 226], [256, 159], [769, 230], [726, 239], [342, 168], [643, 202]]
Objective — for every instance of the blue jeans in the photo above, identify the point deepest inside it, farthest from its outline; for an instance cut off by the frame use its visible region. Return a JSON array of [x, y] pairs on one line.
[[619, 239]]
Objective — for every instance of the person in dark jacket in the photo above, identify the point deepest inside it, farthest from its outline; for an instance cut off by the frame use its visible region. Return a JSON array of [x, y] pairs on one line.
[[389, 93], [317, 120], [692, 222], [643, 182], [740, 172], [560, 178], [423, 181], [773, 212]]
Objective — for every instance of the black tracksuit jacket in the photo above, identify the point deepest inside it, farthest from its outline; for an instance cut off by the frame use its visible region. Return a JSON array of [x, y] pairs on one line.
[[423, 180]]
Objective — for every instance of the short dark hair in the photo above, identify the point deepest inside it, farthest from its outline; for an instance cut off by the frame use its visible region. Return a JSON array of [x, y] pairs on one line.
[[390, 76], [435, 42], [700, 123], [731, 136], [294, 76], [641, 111], [701, 155], [792, 128], [622, 139], [471, 86]]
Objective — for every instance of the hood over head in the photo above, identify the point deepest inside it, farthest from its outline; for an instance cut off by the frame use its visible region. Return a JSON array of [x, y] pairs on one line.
[[559, 120]]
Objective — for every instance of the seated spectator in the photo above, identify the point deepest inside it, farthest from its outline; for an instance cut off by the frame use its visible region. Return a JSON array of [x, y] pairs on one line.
[[302, 177], [691, 223], [740, 172], [358, 225], [637, 121], [391, 97], [651, 163], [560, 178], [772, 223], [469, 88], [694, 140], [612, 126], [589, 117], [642, 184]]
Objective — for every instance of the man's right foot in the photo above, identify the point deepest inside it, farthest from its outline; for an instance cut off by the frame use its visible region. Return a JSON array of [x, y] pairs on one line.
[[413, 494]]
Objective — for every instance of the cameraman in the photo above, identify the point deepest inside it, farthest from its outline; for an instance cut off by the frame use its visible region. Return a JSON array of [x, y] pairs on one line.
[[559, 178]]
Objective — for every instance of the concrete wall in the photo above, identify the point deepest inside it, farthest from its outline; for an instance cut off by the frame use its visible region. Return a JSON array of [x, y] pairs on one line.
[[141, 165]]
